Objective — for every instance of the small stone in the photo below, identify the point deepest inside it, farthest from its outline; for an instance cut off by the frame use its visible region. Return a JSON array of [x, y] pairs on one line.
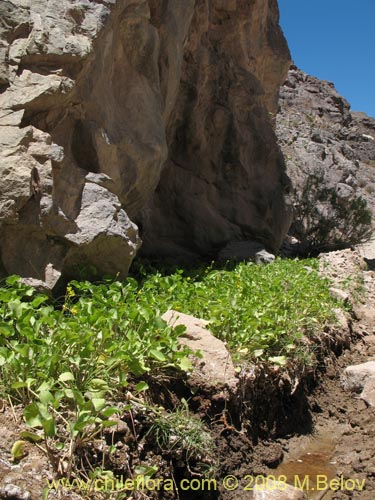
[[246, 250], [342, 319], [14, 492], [339, 294], [121, 427], [355, 377], [39, 285], [368, 393], [344, 191], [264, 257], [358, 467]]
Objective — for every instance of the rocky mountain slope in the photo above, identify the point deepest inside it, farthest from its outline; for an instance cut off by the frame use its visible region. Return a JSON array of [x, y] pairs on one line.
[[155, 113], [321, 137]]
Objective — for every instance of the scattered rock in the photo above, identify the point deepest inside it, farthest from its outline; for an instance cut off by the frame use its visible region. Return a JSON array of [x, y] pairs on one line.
[[338, 294], [368, 393], [344, 191], [121, 427], [52, 276], [344, 268], [246, 250], [215, 369], [278, 491], [264, 257], [355, 377], [367, 250], [39, 285], [14, 492], [343, 320]]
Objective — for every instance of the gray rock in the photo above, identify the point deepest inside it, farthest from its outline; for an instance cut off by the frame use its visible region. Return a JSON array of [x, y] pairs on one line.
[[338, 294], [264, 257], [51, 277], [246, 250], [343, 320], [278, 491], [14, 492], [215, 369], [111, 116], [368, 393], [355, 377], [39, 285], [344, 191], [367, 250]]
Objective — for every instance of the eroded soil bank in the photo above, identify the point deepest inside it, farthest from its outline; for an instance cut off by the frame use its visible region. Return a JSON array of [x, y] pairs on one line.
[[298, 425]]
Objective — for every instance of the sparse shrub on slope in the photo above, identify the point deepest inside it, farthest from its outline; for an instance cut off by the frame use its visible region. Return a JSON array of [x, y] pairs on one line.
[[323, 221]]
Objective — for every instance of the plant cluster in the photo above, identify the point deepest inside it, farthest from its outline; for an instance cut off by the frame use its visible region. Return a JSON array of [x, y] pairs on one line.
[[184, 437], [265, 312], [323, 221], [67, 363]]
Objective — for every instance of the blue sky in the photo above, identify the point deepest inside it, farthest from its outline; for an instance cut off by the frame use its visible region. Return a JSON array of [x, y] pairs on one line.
[[335, 40]]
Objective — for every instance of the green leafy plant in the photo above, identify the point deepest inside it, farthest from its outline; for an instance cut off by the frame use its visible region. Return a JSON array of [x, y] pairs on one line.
[[261, 312], [62, 361], [68, 363]]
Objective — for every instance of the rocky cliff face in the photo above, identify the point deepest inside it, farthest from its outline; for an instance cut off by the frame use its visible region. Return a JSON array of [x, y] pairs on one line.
[[320, 136], [224, 178], [155, 112], [318, 133]]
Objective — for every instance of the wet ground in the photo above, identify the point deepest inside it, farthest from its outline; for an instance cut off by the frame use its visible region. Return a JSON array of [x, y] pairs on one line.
[[309, 463], [341, 448]]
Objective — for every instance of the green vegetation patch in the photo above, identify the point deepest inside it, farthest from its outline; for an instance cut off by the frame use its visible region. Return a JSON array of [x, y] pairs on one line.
[[67, 362], [100, 332], [267, 312], [111, 330]]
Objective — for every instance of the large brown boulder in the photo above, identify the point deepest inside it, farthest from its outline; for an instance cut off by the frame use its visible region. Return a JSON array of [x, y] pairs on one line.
[[121, 112]]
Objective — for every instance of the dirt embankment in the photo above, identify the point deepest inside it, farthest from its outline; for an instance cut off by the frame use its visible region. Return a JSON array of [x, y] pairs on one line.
[[343, 424]]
